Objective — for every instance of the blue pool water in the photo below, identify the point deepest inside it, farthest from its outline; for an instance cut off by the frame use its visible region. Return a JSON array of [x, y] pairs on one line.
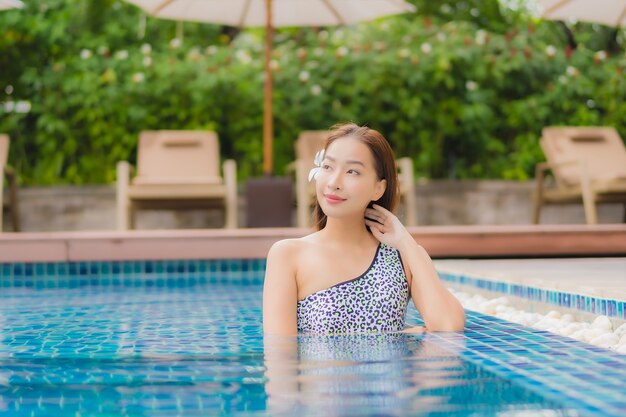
[[181, 344]]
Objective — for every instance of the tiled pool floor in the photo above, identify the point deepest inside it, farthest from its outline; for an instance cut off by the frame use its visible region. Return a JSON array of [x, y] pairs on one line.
[[559, 367], [198, 350]]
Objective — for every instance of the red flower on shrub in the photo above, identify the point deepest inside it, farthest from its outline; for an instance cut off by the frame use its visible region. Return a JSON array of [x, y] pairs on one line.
[[568, 51], [510, 35], [528, 53]]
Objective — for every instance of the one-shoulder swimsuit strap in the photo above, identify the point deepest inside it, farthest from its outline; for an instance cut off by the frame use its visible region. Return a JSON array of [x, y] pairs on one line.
[[373, 302]]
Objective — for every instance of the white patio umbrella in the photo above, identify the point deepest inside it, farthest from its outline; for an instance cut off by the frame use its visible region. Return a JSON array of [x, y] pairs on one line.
[[10, 4], [271, 14], [606, 12]]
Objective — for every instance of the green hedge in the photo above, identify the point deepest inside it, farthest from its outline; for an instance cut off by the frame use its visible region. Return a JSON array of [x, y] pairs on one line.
[[462, 100]]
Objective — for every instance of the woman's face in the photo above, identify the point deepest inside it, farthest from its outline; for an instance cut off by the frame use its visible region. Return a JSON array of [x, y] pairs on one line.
[[347, 181]]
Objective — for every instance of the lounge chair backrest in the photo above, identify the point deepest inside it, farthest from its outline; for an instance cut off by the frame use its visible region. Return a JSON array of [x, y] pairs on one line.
[[170, 156], [309, 142], [4, 150], [601, 148]]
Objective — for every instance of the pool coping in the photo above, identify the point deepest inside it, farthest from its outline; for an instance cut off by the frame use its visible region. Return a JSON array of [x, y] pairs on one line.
[[439, 241], [559, 298]]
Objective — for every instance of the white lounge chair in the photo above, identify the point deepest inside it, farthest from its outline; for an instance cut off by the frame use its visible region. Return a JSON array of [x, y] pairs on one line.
[[176, 170], [588, 164], [9, 204]]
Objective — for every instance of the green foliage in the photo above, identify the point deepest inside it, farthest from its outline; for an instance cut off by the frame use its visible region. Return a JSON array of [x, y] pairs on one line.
[[464, 98]]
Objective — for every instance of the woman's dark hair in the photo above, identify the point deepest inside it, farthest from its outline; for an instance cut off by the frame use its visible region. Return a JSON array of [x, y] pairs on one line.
[[384, 162]]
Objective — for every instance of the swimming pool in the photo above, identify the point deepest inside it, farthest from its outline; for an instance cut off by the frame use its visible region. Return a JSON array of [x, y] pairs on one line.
[[184, 338]]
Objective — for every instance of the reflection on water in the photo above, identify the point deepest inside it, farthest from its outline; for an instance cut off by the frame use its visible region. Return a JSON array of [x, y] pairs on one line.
[[157, 386], [199, 350], [390, 374]]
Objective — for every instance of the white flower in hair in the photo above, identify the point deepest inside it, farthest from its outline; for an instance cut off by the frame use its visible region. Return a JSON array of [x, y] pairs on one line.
[[319, 157]]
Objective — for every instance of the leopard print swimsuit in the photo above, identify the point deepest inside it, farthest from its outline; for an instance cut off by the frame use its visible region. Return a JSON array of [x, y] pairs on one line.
[[374, 302]]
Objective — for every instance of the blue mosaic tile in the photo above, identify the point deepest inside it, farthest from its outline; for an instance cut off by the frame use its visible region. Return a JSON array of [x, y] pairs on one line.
[[246, 271], [559, 365], [131, 273], [170, 350], [608, 307]]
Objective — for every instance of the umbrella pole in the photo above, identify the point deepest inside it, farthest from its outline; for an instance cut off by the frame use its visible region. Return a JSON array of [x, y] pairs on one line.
[[267, 93]]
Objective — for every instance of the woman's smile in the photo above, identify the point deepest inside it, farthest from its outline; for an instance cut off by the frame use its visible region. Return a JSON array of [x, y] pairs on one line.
[[333, 199]]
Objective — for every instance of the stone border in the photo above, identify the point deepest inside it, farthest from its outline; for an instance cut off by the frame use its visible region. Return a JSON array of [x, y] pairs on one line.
[[439, 241]]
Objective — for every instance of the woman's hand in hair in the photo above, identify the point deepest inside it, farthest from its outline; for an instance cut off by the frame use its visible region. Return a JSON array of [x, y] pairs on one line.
[[385, 226]]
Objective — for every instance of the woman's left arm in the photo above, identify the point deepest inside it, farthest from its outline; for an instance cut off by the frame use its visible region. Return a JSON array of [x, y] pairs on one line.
[[440, 310]]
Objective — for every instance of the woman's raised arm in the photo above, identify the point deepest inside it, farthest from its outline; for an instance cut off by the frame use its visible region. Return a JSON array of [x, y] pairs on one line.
[[440, 310]]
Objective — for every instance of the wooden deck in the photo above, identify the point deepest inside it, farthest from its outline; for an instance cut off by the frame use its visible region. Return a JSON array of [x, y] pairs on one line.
[[440, 242]]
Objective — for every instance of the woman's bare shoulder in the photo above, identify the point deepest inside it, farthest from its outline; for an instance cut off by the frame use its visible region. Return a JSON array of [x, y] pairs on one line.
[[290, 248]]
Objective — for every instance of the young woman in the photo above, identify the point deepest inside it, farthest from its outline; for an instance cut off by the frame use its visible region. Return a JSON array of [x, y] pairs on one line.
[[355, 274]]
